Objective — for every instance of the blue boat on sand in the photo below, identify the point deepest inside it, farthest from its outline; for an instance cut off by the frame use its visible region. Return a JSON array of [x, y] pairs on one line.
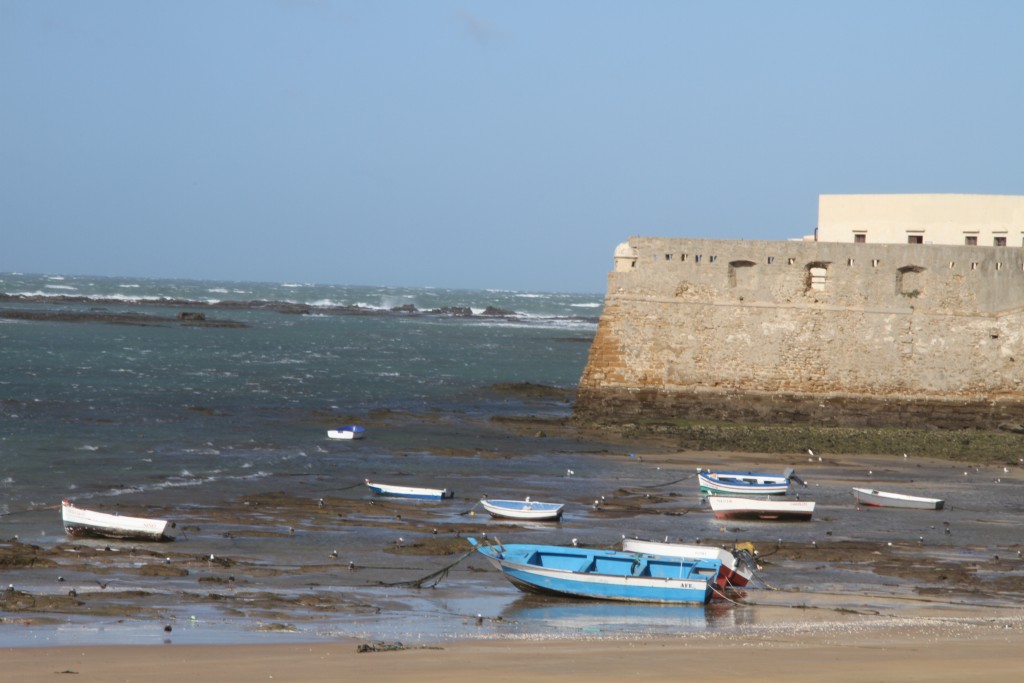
[[603, 574]]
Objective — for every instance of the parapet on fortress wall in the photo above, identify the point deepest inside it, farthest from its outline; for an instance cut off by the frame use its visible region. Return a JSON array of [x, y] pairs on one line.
[[830, 333]]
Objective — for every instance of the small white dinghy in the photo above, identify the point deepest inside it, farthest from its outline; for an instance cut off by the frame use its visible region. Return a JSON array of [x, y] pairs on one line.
[[884, 499], [523, 509], [409, 491], [347, 432], [729, 507], [81, 522], [734, 572]]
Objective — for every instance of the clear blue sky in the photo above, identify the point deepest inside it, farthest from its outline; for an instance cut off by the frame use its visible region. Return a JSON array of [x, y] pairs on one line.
[[477, 144]]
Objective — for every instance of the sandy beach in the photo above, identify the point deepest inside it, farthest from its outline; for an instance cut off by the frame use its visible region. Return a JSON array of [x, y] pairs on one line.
[[961, 650], [935, 603]]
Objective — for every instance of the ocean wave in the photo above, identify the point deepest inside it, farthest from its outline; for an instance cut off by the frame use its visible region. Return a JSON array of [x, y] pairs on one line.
[[175, 482]]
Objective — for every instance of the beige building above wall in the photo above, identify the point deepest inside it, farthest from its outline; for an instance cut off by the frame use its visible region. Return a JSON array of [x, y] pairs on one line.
[[947, 219]]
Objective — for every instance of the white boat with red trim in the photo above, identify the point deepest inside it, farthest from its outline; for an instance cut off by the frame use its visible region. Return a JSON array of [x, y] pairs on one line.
[[81, 522], [737, 507]]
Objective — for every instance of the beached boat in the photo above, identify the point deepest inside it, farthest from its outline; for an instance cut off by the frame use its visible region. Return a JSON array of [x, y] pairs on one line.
[[603, 574], [347, 432], [81, 522], [746, 483], [736, 571], [409, 491], [523, 509], [739, 507], [895, 500]]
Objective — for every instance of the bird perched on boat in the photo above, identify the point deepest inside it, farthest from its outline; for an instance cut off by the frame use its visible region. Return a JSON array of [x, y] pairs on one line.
[[575, 542]]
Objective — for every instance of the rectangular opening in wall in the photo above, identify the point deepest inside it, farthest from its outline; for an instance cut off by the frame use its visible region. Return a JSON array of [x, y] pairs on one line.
[[970, 240], [974, 265], [771, 260], [790, 261], [682, 258], [915, 239], [999, 266], [849, 262], [999, 241], [668, 257], [860, 238], [952, 265], [713, 259], [874, 263], [696, 259]]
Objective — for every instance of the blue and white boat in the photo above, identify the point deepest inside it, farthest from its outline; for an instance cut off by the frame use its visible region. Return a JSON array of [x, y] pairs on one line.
[[409, 491], [347, 432], [530, 510], [603, 574], [746, 483]]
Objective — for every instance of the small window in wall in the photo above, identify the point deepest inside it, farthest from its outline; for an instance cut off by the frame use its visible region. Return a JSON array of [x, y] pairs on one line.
[[860, 238], [874, 263], [849, 262], [668, 257], [909, 281], [817, 275], [713, 259], [790, 261], [771, 260], [682, 258], [696, 259], [970, 240], [915, 239], [999, 241], [974, 265], [741, 274]]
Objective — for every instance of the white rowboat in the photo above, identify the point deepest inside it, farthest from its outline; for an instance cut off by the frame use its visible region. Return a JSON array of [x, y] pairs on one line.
[[895, 500], [733, 572], [81, 522], [728, 507], [409, 491], [523, 509]]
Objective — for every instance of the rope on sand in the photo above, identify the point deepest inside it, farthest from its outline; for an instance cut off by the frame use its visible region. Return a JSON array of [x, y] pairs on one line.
[[431, 579]]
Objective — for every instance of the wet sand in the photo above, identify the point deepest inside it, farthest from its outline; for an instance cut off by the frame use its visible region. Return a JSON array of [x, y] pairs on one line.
[[942, 651], [856, 594]]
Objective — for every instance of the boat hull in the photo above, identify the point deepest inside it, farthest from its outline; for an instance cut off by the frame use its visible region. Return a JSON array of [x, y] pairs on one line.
[[526, 510], [738, 483], [733, 572], [409, 491], [875, 498], [725, 507], [347, 433], [603, 574], [79, 522]]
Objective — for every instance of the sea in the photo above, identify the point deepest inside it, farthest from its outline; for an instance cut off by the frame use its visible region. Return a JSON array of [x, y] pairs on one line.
[[222, 427]]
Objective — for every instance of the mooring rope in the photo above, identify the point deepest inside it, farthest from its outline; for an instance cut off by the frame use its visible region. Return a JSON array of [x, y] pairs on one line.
[[433, 578]]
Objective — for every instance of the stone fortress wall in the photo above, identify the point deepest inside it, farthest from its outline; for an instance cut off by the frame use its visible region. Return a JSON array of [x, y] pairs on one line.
[[854, 334]]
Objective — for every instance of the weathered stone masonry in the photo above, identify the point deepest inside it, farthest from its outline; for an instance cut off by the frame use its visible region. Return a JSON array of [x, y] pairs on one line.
[[837, 334]]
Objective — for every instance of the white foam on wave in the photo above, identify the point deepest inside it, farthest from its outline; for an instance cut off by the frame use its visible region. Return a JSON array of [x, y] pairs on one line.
[[87, 447], [179, 482], [69, 288], [594, 304]]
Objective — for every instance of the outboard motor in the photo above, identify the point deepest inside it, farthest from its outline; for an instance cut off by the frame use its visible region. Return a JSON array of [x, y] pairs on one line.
[[790, 474]]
